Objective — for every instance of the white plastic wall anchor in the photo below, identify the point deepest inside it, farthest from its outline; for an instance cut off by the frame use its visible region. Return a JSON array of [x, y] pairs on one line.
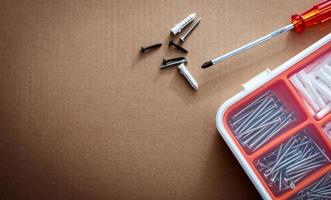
[[324, 77], [304, 92], [327, 129], [307, 83], [186, 73], [327, 69], [324, 90], [323, 112], [328, 126], [179, 27], [328, 133]]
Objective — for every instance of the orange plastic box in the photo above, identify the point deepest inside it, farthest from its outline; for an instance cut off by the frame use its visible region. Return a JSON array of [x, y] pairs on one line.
[[278, 134]]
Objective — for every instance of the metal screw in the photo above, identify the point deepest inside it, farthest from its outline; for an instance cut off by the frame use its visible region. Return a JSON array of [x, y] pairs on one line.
[[293, 161], [177, 46], [266, 117], [261, 126], [168, 64], [278, 128], [188, 32], [165, 61], [253, 103], [182, 24], [154, 46], [256, 113]]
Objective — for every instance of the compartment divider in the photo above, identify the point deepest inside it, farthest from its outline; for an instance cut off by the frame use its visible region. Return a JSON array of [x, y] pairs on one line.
[[323, 135], [281, 138], [325, 120], [299, 100], [309, 120]]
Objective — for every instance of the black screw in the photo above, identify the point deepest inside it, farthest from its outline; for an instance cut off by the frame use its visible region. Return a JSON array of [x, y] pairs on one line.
[[172, 59], [177, 46], [154, 46]]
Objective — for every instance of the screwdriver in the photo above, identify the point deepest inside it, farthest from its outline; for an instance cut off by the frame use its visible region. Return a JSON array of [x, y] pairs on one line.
[[319, 13]]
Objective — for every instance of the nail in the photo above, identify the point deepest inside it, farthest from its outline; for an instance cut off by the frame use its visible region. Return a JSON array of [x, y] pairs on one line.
[[251, 117], [322, 151], [289, 119], [280, 181], [281, 158], [261, 126], [292, 185], [320, 189], [253, 103], [256, 115], [188, 32], [303, 162], [253, 136], [177, 46], [269, 115]]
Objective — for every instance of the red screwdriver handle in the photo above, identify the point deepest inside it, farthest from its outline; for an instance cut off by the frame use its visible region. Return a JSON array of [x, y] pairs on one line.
[[317, 14]]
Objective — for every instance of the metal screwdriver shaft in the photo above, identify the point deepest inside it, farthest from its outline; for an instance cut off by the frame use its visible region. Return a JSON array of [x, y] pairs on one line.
[[248, 46], [319, 13]]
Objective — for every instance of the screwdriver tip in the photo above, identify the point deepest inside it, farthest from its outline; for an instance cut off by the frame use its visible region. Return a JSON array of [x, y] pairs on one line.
[[207, 64]]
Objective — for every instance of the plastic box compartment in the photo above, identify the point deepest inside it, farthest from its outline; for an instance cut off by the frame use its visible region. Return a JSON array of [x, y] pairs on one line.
[[298, 156], [283, 96], [319, 189], [278, 82]]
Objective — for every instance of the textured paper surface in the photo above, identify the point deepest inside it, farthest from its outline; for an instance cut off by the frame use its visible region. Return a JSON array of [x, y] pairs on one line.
[[84, 116]]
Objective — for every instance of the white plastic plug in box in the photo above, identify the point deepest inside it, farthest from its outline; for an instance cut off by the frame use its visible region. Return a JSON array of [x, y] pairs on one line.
[[316, 85], [305, 93], [327, 129]]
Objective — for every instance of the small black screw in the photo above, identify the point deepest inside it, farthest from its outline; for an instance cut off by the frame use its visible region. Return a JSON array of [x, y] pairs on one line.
[[172, 59], [154, 46], [177, 46]]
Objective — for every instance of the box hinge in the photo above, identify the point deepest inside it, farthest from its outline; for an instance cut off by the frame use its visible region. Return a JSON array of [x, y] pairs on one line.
[[258, 80]]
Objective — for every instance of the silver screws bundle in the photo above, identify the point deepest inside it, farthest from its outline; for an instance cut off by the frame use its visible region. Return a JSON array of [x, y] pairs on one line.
[[292, 161], [260, 120], [321, 189]]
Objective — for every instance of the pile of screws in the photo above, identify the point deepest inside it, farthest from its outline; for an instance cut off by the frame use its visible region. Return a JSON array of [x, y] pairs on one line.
[[292, 161], [315, 88], [180, 61], [321, 189], [260, 120]]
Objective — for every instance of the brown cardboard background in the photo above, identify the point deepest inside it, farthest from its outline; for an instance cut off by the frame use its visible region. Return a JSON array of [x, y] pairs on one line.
[[84, 116]]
